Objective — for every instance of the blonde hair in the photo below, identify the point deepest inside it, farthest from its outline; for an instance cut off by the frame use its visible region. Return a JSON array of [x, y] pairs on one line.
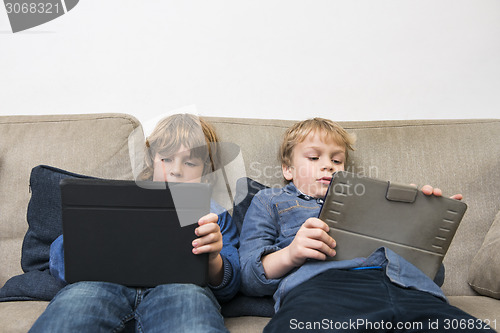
[[178, 130], [300, 130]]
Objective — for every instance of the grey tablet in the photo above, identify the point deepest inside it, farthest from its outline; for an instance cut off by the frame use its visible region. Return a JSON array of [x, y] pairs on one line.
[[117, 231], [366, 213]]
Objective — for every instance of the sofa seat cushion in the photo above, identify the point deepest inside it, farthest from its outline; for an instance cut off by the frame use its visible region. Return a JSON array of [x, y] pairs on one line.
[[481, 307], [246, 324], [18, 317]]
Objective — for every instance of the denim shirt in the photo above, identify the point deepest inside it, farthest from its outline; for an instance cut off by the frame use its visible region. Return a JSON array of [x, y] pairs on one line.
[[270, 224], [232, 275]]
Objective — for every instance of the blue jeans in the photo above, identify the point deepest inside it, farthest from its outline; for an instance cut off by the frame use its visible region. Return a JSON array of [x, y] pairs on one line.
[[366, 301], [108, 307]]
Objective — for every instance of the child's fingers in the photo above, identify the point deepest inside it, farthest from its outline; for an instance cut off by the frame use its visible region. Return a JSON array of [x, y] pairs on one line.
[[210, 239], [315, 223], [315, 239], [209, 218], [209, 248], [319, 235], [311, 241], [207, 224], [429, 190], [303, 248], [317, 229], [315, 254], [207, 229], [211, 242], [321, 247], [207, 239]]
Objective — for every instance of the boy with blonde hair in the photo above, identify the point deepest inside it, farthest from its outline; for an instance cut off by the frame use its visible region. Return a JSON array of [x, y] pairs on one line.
[[182, 148], [284, 246]]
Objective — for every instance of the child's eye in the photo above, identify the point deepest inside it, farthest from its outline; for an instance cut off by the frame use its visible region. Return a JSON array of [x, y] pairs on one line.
[[191, 164], [313, 158], [166, 160], [337, 162]]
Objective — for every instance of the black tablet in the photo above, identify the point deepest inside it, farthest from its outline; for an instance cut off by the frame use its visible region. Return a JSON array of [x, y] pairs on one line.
[[133, 233]]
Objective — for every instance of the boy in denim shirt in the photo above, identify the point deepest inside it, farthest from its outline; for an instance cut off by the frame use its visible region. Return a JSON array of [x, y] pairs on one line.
[[284, 245]]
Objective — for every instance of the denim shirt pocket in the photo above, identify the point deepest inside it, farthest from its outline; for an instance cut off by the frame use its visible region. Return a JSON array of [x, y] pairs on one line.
[[293, 213]]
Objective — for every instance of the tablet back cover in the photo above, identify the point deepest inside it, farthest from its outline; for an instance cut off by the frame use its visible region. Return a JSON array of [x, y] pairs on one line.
[[366, 213]]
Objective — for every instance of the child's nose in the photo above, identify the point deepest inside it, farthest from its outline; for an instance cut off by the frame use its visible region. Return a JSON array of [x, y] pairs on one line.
[[176, 170], [328, 164]]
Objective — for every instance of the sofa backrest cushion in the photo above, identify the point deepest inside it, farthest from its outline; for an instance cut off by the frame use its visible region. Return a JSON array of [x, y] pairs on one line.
[[44, 226], [484, 275], [90, 144]]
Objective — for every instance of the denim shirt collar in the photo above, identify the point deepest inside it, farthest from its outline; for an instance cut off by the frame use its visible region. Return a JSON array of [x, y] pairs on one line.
[[291, 189]]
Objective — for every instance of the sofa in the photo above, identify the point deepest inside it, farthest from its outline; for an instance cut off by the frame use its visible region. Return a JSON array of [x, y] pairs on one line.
[[458, 156]]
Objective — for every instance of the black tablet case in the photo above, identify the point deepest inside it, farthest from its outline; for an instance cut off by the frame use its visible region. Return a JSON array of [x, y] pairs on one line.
[[121, 232], [365, 213]]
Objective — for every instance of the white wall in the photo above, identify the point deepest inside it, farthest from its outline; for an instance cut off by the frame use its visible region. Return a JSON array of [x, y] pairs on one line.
[[289, 59]]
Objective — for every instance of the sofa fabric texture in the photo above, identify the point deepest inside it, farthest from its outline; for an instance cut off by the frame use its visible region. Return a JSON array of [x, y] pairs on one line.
[[91, 144], [44, 226], [458, 156], [484, 271]]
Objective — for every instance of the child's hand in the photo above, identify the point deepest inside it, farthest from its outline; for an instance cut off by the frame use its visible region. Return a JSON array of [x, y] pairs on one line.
[[209, 236], [429, 190], [210, 241], [311, 242]]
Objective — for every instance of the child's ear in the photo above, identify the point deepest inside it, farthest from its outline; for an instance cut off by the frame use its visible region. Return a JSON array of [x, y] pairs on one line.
[[287, 172]]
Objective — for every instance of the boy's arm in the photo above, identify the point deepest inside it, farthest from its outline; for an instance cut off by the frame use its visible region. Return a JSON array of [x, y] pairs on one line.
[[56, 260], [258, 237], [311, 242], [218, 237], [231, 282], [263, 262]]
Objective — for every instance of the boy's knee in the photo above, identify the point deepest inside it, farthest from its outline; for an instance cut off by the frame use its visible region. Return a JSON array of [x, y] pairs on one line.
[[86, 289], [181, 290], [76, 289], [185, 291]]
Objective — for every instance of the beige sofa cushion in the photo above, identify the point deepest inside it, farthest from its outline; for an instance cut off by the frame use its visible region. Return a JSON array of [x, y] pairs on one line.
[[484, 272], [91, 144]]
